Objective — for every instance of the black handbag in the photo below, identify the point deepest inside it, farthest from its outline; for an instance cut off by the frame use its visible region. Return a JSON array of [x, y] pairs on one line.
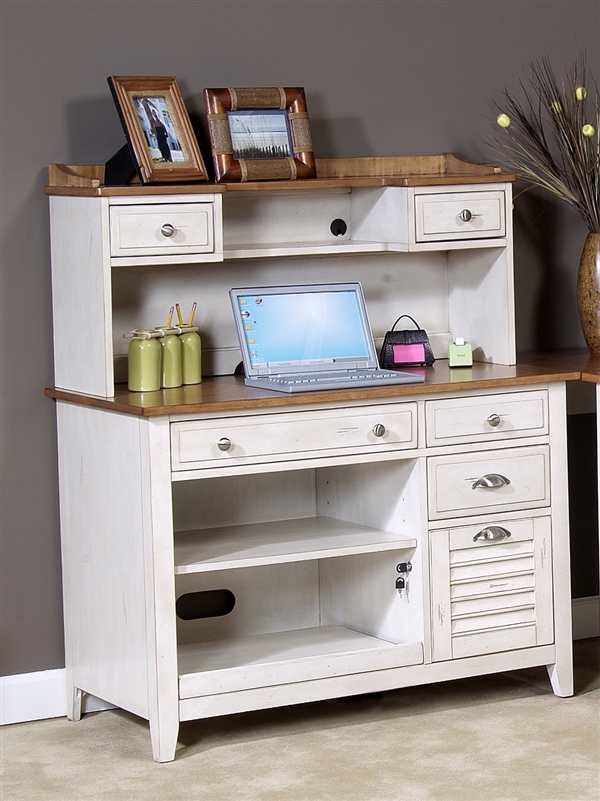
[[407, 348]]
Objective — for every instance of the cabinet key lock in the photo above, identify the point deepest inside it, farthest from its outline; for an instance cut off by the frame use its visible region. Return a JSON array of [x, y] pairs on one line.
[[404, 569]]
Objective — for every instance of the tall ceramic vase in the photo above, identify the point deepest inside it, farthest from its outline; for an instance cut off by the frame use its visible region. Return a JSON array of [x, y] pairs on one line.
[[588, 293]]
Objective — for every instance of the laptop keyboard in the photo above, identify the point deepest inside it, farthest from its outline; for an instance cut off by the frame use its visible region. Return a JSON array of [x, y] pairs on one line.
[[303, 382], [329, 378]]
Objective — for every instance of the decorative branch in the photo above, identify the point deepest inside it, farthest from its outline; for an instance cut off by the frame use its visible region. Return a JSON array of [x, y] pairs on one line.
[[551, 138]]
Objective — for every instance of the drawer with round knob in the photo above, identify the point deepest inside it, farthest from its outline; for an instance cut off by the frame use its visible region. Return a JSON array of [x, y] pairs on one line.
[[161, 229], [459, 215], [261, 439], [503, 480], [491, 417]]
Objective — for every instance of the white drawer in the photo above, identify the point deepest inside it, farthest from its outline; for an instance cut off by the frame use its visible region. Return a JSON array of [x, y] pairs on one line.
[[488, 482], [470, 543], [479, 419], [459, 215], [491, 587], [161, 229], [200, 444]]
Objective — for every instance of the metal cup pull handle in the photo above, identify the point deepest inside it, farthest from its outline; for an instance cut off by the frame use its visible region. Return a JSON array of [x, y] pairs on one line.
[[492, 534], [490, 481]]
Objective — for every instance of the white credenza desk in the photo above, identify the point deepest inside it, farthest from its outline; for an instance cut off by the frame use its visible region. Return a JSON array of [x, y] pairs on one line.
[[227, 549], [201, 581]]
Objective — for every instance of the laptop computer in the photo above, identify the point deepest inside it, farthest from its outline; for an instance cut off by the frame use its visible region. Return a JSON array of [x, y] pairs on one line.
[[311, 337]]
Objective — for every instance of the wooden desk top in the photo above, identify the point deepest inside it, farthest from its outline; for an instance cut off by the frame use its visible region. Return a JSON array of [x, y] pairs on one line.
[[229, 393], [574, 359]]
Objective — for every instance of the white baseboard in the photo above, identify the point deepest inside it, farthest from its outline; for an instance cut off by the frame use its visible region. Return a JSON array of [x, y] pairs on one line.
[[586, 617], [35, 696]]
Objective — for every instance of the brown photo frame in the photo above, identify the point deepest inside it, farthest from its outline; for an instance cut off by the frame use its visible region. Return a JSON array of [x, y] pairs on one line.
[[260, 134], [158, 129]]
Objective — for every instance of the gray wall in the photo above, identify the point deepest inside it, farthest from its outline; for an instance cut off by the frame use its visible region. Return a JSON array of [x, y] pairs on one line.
[[381, 78]]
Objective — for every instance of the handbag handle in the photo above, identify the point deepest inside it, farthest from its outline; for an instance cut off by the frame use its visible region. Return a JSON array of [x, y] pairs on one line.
[[410, 318]]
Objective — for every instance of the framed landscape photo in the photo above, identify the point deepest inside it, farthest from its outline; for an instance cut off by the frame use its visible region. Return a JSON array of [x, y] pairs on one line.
[[158, 129], [259, 134]]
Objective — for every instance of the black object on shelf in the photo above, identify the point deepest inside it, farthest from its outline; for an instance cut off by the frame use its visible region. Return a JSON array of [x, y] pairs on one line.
[[120, 168]]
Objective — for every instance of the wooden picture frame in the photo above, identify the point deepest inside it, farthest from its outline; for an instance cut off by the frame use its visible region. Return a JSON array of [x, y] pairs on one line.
[[260, 134], [158, 129]]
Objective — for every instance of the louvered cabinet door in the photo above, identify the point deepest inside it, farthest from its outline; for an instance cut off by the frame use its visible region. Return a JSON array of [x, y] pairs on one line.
[[491, 587]]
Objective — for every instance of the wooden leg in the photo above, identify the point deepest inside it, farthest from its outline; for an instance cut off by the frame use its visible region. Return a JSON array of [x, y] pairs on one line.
[[561, 674], [74, 703], [164, 741]]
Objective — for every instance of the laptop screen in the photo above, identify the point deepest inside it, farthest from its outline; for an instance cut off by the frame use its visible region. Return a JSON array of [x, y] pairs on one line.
[[320, 326]]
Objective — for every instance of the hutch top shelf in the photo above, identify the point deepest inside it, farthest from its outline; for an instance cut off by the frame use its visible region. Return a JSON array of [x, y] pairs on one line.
[[438, 170]]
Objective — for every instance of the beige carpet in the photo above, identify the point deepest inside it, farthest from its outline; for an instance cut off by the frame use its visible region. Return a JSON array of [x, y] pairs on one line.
[[494, 738]]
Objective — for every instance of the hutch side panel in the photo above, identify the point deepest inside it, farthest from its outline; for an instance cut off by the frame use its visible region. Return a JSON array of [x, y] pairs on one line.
[[81, 295]]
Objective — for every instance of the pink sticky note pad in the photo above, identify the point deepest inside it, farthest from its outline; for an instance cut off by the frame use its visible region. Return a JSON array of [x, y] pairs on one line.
[[405, 354]]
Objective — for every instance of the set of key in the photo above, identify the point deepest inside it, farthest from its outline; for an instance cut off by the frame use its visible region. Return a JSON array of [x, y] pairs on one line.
[[403, 568]]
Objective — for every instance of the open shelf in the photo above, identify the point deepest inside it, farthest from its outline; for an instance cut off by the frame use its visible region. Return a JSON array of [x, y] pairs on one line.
[[348, 247], [278, 542], [242, 663], [266, 250]]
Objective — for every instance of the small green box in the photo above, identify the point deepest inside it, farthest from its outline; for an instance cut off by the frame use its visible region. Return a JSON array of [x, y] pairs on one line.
[[460, 354]]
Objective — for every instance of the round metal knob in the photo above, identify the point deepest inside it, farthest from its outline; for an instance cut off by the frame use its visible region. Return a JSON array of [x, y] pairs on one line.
[[494, 420], [167, 229], [465, 215], [224, 444], [379, 429]]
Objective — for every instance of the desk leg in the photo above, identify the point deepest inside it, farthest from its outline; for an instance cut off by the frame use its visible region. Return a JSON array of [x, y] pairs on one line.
[[74, 703], [561, 674], [160, 590], [164, 739], [561, 671]]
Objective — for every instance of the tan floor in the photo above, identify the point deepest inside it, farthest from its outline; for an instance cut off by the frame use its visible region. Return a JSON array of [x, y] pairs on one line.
[[494, 738]]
